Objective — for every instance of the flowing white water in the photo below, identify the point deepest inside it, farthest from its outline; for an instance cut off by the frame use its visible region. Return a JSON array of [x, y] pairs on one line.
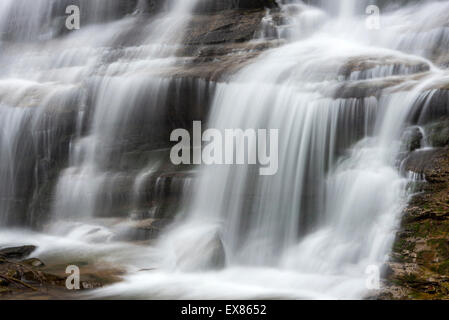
[[105, 74], [91, 73], [311, 230], [119, 87]]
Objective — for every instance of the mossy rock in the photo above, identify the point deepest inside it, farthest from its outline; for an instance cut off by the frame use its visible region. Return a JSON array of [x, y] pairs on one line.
[[443, 268], [411, 139], [437, 133], [441, 247], [425, 257], [402, 244]]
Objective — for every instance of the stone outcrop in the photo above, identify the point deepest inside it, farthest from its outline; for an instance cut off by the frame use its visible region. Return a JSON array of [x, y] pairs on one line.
[[206, 6], [16, 252], [220, 43], [419, 265]]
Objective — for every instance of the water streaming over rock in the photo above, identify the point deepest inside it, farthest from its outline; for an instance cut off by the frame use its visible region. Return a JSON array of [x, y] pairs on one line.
[[84, 116], [100, 75]]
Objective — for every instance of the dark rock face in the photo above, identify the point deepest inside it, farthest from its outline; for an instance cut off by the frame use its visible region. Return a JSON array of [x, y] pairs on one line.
[[438, 133], [218, 257], [212, 6], [223, 27], [432, 106], [219, 43], [43, 153], [16, 253], [412, 139], [420, 256]]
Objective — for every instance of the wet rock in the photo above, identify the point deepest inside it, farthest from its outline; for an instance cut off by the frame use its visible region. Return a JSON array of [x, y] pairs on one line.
[[208, 6], [141, 230], [412, 139], [420, 256], [220, 42], [218, 257], [224, 27], [216, 63], [369, 76], [365, 67], [154, 6], [94, 13], [34, 262], [17, 253], [437, 133], [216, 46], [431, 106], [364, 88], [426, 162]]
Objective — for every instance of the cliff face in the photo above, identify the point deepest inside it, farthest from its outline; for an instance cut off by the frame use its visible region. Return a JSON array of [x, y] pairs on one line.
[[216, 45], [419, 266]]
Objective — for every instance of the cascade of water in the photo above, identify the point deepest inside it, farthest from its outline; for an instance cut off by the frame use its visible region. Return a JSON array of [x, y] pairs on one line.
[[88, 73], [340, 96], [331, 210], [13, 120], [79, 187]]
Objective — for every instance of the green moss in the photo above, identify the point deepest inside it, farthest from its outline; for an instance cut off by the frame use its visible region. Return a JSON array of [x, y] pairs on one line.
[[441, 246], [416, 295], [443, 268], [418, 229], [410, 278], [424, 229], [401, 245], [426, 256], [438, 133]]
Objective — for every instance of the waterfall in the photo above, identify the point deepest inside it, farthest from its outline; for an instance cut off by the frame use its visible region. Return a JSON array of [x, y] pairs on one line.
[[71, 70], [315, 228], [74, 106]]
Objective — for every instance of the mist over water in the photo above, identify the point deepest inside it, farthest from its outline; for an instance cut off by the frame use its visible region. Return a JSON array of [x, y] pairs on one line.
[[308, 232]]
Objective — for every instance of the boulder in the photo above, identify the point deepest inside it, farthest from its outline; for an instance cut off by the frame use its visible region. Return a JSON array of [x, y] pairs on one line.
[[412, 139], [34, 262], [17, 253], [437, 133], [218, 257]]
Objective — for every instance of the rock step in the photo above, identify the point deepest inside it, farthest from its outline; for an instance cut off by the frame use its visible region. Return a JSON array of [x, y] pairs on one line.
[[17, 253]]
